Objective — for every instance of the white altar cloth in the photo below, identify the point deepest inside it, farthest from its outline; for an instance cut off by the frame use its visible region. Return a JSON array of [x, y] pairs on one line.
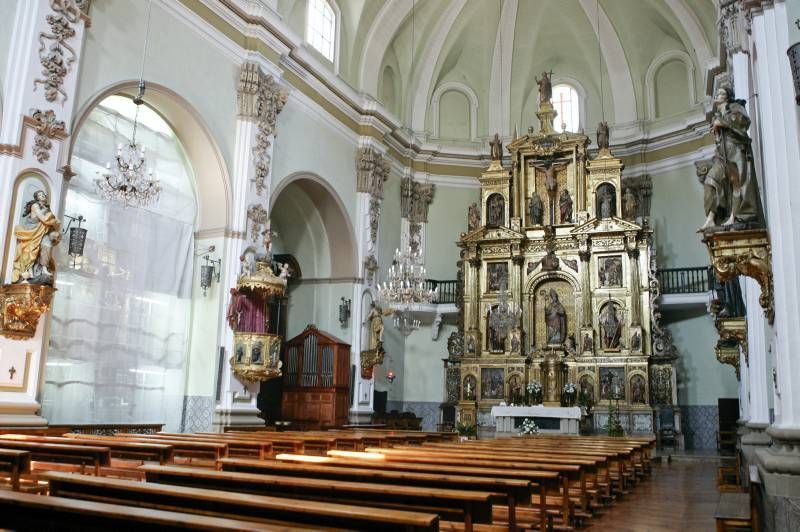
[[504, 417]]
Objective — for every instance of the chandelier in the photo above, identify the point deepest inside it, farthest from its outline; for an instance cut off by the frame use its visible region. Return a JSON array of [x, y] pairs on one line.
[[129, 182], [405, 288], [505, 315]]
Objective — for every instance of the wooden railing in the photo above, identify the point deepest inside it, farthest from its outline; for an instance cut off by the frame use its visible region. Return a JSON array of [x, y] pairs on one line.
[[447, 290], [685, 280]]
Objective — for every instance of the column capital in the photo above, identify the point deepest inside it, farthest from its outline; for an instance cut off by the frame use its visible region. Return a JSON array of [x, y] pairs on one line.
[[415, 198]]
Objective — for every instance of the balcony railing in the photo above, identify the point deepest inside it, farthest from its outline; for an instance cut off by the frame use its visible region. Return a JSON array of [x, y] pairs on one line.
[[447, 290], [686, 280]]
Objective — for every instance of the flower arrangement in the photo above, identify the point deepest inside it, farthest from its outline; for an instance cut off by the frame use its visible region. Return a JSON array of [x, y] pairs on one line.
[[570, 387], [614, 427], [528, 427], [534, 392], [569, 394], [466, 430]]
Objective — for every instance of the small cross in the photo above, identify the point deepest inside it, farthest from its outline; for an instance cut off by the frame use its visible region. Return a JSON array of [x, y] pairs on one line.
[[11, 371]]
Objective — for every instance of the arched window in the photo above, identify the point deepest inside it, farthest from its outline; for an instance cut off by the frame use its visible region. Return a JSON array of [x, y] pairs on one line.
[[567, 103], [321, 27], [121, 326]]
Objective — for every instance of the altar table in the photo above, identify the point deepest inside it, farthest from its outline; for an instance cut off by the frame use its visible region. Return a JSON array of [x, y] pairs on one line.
[[566, 420]]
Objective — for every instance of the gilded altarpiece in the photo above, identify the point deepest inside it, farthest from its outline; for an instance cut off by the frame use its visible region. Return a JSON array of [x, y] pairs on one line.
[[552, 222]]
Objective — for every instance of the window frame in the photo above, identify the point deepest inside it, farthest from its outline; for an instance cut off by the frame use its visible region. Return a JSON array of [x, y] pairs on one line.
[[337, 18], [579, 99]]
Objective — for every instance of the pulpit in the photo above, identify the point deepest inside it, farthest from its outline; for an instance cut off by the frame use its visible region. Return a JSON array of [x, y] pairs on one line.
[[316, 382]]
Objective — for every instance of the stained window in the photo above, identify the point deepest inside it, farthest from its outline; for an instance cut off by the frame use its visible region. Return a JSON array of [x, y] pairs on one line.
[[566, 102], [321, 27]]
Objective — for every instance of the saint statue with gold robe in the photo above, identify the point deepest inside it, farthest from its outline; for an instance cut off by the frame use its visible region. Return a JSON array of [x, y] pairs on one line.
[[36, 236]]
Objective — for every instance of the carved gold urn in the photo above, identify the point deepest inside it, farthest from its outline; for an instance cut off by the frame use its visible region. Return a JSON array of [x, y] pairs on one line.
[[21, 306]]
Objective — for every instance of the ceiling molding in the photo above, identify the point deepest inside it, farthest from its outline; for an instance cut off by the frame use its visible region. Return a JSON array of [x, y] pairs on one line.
[[697, 38], [500, 81], [422, 83], [381, 34], [619, 73]]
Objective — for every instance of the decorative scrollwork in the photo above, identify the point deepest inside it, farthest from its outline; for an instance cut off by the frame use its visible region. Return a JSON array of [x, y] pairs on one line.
[[47, 127], [55, 63]]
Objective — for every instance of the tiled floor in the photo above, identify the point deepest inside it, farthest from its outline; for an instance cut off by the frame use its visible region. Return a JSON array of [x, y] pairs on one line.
[[680, 496]]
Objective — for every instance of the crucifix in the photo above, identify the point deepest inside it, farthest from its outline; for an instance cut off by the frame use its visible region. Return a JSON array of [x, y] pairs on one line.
[[11, 372], [551, 183]]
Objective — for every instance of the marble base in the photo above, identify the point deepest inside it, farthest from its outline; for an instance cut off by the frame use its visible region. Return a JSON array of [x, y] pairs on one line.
[[779, 472], [505, 417], [21, 414]]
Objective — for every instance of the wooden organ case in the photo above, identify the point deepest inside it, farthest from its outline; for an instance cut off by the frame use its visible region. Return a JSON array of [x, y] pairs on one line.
[[316, 381]]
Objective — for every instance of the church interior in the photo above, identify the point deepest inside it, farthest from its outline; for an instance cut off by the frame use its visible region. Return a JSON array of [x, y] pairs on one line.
[[531, 275]]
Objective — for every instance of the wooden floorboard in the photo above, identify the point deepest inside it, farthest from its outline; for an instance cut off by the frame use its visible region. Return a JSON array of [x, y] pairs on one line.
[[679, 496]]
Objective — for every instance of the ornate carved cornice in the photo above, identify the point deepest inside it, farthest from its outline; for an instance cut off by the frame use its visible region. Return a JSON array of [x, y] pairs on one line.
[[415, 197], [744, 253], [261, 98], [373, 171], [734, 25]]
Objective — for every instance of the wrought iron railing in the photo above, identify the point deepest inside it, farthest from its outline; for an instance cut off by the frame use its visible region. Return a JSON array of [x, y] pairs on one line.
[[685, 280], [447, 290]]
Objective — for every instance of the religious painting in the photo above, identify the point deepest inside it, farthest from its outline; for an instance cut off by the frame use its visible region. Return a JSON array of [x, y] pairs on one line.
[[494, 341], [611, 321], [606, 206], [638, 390], [240, 351], [553, 316], [495, 210], [255, 354], [470, 387], [609, 270], [496, 275], [492, 381], [586, 386], [612, 383]]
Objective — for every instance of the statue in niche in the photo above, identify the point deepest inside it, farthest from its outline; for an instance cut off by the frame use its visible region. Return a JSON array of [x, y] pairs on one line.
[[375, 322], [638, 394], [516, 342], [611, 327], [570, 345], [37, 233], [536, 210], [471, 344], [515, 390], [550, 170], [636, 341], [565, 206], [606, 201], [473, 217], [730, 186], [610, 271], [496, 341], [545, 87], [495, 210], [630, 205], [555, 316], [470, 383], [497, 147], [586, 385], [588, 343], [602, 135]]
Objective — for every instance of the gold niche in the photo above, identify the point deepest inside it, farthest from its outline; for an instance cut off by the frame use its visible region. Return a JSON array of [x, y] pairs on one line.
[[21, 306]]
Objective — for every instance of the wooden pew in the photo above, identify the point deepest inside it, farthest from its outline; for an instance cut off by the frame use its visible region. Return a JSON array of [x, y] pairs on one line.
[[236, 447], [26, 511], [549, 481], [451, 504], [143, 452], [243, 506], [16, 463], [82, 455], [517, 491], [180, 448], [279, 445]]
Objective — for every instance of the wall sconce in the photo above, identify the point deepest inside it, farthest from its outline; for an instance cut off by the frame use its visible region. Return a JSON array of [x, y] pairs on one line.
[[344, 311], [208, 272], [77, 237]]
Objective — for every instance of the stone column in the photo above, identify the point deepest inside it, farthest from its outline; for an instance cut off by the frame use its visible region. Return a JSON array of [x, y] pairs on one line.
[[39, 96], [636, 289], [780, 463], [586, 295], [754, 378], [260, 99]]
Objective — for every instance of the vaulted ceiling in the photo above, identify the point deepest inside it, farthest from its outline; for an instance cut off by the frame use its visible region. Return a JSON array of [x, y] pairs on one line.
[[647, 58]]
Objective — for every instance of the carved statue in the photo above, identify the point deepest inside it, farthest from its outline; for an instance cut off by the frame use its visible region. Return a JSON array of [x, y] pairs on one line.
[[473, 217], [495, 210], [285, 271], [630, 205], [545, 87], [555, 316], [536, 210], [247, 312], [565, 207], [550, 170], [638, 390], [611, 327], [731, 190], [514, 390], [602, 135], [470, 383], [375, 321], [636, 341], [497, 148], [36, 236], [588, 343], [607, 200]]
